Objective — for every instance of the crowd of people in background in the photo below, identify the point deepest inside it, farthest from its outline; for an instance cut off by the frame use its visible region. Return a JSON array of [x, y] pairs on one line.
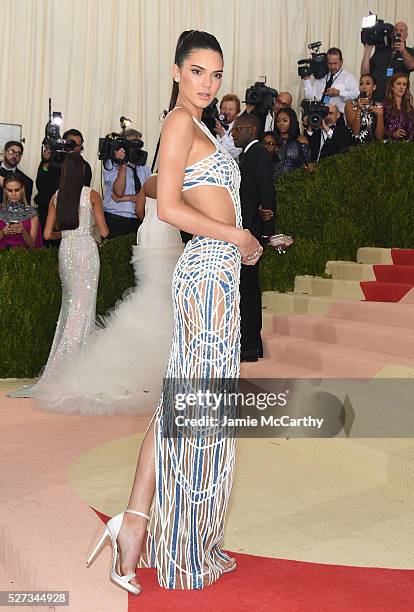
[[378, 107]]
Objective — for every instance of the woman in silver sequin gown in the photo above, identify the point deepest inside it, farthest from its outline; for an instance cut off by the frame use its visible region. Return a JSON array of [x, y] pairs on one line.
[[191, 477], [73, 210]]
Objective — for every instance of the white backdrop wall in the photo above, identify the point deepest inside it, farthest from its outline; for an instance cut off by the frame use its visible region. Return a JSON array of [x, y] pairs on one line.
[[100, 59]]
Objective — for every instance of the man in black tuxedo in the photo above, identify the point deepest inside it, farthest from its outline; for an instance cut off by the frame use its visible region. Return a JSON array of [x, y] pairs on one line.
[[333, 137], [13, 153], [257, 193]]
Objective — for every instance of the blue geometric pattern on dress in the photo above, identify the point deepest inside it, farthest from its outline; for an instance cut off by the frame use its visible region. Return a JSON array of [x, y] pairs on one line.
[[194, 474], [219, 169]]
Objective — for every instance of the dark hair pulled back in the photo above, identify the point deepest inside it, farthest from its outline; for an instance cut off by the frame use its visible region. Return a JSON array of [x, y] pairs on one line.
[[189, 41]]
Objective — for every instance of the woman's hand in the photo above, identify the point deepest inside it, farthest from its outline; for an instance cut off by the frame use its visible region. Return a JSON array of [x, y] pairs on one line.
[[250, 248], [398, 134], [362, 103], [13, 228], [265, 214], [378, 109], [220, 129]]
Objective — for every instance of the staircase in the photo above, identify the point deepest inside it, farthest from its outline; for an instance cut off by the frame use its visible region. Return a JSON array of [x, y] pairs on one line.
[[357, 324], [331, 327]]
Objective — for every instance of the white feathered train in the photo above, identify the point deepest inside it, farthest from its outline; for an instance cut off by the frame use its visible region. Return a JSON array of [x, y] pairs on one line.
[[121, 369]]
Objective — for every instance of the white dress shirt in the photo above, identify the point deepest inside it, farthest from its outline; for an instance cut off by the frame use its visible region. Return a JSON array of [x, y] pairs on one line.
[[324, 137], [343, 80], [249, 145], [227, 143], [270, 122]]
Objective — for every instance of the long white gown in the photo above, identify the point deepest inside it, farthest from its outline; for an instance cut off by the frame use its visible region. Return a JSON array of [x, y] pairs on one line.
[[121, 369]]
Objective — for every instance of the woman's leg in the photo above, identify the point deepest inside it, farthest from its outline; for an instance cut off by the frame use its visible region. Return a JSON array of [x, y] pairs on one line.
[[133, 530]]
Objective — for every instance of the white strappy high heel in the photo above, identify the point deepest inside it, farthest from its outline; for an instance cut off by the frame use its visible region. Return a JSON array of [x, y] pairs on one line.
[[112, 529]]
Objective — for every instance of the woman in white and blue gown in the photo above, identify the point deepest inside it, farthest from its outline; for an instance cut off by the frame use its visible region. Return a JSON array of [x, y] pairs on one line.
[[183, 483]]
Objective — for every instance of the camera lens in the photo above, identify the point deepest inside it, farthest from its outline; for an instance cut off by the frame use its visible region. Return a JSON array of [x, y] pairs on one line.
[[314, 120]]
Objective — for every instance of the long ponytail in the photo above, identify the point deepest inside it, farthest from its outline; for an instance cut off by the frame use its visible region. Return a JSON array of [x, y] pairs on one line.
[[174, 95]]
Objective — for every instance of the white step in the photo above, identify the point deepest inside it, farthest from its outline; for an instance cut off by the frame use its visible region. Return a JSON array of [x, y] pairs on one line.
[[383, 313], [374, 255], [315, 285], [348, 270]]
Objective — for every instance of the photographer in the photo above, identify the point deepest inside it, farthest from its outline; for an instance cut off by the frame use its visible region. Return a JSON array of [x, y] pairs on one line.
[[13, 153], [122, 185], [333, 137], [230, 108], [48, 177], [260, 100], [282, 100], [336, 87], [387, 61]]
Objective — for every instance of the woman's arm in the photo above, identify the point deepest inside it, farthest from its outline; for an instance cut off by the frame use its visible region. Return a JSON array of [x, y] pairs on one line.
[[49, 232], [98, 213], [175, 146], [140, 204], [31, 237], [379, 129], [131, 197], [353, 117]]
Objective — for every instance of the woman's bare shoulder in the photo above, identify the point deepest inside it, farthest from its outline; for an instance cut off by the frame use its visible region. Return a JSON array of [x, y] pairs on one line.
[[178, 117]]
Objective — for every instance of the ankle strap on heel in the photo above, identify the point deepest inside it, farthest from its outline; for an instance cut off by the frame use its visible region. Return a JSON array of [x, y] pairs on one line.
[[145, 516]]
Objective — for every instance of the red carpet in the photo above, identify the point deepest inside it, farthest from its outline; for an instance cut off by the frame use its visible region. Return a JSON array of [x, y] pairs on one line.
[[379, 291], [393, 281], [262, 584], [395, 274], [403, 257]]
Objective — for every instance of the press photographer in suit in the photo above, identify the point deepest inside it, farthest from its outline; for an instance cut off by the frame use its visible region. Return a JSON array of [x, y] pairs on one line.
[[331, 138], [257, 196]]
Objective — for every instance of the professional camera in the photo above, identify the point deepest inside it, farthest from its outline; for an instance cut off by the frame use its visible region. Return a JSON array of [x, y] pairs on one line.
[[377, 33], [53, 140], [396, 37], [211, 115], [261, 96], [315, 112], [134, 154], [317, 64]]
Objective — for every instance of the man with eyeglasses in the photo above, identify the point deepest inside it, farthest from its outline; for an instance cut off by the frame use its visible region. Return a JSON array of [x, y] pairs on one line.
[[257, 193], [13, 153]]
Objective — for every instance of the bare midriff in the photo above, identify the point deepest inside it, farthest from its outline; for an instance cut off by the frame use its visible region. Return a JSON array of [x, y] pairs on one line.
[[213, 201]]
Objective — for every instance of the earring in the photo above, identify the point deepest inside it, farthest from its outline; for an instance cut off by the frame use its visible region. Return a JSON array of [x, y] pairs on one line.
[[177, 79]]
